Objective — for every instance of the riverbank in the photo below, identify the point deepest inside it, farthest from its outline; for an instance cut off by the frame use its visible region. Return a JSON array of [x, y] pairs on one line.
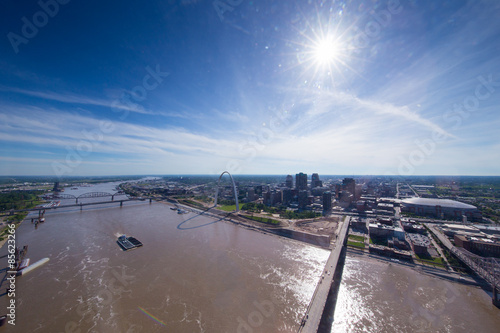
[[321, 241], [3, 226]]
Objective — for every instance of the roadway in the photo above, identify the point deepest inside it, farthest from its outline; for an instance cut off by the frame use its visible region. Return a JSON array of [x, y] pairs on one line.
[[441, 253], [314, 312], [442, 238]]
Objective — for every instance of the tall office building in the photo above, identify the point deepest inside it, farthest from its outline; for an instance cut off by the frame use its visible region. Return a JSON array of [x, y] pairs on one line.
[[286, 196], [301, 181], [303, 199], [327, 201], [349, 184], [338, 189], [289, 181], [251, 194], [271, 197], [315, 182], [275, 197], [258, 190]]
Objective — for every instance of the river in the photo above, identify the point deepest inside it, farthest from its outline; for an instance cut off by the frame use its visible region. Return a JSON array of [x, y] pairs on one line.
[[379, 296], [200, 274], [193, 274]]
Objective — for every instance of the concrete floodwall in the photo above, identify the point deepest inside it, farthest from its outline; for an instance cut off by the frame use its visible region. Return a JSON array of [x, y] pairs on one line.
[[319, 240]]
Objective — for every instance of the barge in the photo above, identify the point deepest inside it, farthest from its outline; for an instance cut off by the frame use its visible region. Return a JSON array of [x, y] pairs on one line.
[[128, 243]]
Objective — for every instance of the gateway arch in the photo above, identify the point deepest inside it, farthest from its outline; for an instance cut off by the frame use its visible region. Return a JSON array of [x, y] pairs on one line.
[[234, 190]]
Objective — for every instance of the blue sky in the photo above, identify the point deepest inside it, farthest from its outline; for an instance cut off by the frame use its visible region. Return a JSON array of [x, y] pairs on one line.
[[252, 87]]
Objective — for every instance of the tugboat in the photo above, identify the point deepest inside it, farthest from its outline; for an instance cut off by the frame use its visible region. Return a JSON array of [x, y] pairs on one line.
[[23, 264], [128, 243]]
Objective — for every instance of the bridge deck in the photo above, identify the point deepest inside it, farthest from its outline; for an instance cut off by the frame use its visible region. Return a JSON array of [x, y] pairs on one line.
[[316, 307]]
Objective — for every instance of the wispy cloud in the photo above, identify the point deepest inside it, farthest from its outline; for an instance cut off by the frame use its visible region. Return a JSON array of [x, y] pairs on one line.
[[337, 104], [30, 127], [75, 99]]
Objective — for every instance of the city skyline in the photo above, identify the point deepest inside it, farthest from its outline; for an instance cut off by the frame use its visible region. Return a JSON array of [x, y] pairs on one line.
[[386, 88]]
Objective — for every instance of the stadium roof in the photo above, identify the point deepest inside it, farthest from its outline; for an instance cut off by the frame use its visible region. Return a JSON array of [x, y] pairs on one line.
[[438, 202]]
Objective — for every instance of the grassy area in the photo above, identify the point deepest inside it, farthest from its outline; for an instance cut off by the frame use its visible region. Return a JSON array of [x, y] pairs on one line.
[[356, 244], [191, 202], [264, 220], [357, 238], [16, 219], [227, 208], [281, 210], [378, 241], [204, 198], [429, 259]]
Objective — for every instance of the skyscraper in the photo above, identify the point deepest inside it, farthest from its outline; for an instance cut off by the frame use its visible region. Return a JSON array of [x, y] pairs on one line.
[[286, 196], [301, 181], [289, 181], [251, 194], [315, 182], [302, 198], [327, 201], [349, 184]]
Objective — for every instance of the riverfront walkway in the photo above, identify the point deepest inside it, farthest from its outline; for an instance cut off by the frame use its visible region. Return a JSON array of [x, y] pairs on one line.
[[314, 312]]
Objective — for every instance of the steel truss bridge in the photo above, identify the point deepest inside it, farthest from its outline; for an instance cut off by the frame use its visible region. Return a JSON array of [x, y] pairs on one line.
[[41, 210], [86, 195], [486, 268]]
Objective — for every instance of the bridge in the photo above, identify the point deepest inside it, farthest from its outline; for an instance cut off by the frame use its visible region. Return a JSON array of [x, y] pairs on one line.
[[314, 312], [85, 195], [487, 268], [41, 209]]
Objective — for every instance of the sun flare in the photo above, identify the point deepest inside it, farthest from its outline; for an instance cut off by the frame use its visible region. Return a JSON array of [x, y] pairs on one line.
[[326, 52], [324, 55]]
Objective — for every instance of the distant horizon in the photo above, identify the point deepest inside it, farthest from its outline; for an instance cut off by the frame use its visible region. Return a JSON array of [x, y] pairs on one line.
[[233, 174]]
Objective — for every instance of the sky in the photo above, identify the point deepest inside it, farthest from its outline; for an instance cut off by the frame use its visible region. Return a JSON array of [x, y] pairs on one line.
[[251, 87]]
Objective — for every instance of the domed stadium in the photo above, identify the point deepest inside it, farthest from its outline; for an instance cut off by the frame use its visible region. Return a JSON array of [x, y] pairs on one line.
[[440, 208]]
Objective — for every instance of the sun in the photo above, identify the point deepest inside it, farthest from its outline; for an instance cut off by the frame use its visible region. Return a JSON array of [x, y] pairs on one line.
[[326, 52], [323, 56]]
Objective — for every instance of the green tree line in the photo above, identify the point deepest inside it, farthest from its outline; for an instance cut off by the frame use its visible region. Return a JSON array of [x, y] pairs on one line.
[[281, 210], [19, 200]]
